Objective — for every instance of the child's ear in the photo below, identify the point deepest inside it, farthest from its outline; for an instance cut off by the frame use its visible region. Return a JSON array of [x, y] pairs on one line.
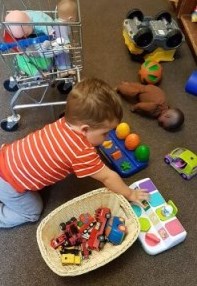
[[84, 129]]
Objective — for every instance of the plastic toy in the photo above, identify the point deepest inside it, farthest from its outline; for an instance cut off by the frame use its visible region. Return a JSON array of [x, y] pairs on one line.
[[70, 258], [97, 238], [56, 242], [150, 72], [145, 34], [24, 43], [85, 252], [126, 164], [160, 228], [66, 13], [194, 15], [191, 84], [142, 153], [115, 230], [71, 235], [85, 224], [183, 161], [132, 141], [151, 101], [15, 22], [122, 130]]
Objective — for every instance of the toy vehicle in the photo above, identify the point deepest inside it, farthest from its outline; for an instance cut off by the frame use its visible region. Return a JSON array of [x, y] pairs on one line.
[[97, 237], [183, 161], [85, 224], [159, 35], [85, 252], [160, 229], [70, 235], [115, 230], [150, 32], [56, 242], [71, 256]]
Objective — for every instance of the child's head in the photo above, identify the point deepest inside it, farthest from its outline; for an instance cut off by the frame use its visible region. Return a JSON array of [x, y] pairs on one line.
[[95, 108], [67, 10], [171, 119]]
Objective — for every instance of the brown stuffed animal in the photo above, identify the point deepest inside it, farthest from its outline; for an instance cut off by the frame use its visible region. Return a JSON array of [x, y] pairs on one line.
[[152, 102]]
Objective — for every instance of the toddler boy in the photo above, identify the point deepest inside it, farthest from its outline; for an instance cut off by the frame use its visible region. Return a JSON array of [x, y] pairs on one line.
[[66, 146]]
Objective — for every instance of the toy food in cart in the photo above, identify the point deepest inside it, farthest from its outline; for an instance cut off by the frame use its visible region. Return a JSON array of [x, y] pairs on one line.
[[160, 228], [80, 236], [126, 155]]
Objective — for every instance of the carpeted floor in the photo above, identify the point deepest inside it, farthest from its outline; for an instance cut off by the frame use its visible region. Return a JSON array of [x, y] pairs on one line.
[[106, 57]]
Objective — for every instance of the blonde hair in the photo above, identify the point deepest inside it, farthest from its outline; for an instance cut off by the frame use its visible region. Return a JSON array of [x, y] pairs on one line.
[[92, 101]]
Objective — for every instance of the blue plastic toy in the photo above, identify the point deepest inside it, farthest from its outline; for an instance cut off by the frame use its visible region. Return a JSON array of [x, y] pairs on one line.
[[191, 84], [24, 43], [123, 161]]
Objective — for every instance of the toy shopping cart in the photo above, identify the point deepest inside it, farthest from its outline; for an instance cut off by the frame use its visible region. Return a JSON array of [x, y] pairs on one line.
[[40, 47]]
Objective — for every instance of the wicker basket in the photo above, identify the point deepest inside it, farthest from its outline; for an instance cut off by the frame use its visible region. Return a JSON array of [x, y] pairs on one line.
[[49, 228]]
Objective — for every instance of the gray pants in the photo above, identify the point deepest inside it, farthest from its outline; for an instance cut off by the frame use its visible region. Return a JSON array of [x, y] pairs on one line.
[[18, 208]]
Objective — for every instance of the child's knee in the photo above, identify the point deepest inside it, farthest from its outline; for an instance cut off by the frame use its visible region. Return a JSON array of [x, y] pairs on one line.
[[35, 213]]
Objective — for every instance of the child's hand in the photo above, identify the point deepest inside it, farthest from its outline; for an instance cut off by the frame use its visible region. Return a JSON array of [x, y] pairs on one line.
[[137, 196]]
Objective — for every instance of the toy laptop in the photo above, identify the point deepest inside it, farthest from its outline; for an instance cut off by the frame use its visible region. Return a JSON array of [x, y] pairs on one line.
[[160, 229]]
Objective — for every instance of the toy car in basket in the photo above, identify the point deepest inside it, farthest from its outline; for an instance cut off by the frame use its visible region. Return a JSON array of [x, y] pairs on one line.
[[87, 203]]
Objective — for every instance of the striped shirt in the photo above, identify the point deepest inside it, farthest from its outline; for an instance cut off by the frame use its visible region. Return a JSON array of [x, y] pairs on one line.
[[46, 156]]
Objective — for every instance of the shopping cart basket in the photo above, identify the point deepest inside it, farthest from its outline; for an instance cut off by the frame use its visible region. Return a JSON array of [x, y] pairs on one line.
[[50, 54]]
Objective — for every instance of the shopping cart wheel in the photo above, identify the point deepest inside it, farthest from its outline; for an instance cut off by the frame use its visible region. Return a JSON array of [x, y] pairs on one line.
[[10, 124], [64, 87], [10, 85]]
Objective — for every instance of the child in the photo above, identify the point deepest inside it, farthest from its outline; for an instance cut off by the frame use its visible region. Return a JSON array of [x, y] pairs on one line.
[[152, 102], [59, 149]]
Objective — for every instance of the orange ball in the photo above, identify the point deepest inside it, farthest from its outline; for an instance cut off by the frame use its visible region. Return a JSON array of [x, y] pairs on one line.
[[122, 130], [132, 141], [150, 72]]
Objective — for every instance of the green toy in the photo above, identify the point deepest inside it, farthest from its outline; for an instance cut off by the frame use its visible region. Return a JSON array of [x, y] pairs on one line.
[[32, 66], [142, 153]]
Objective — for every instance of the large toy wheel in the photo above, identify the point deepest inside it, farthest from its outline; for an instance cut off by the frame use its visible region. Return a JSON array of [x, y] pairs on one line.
[[184, 176], [143, 38], [174, 39], [10, 85], [64, 88], [9, 126], [164, 15], [62, 226], [135, 13], [167, 161]]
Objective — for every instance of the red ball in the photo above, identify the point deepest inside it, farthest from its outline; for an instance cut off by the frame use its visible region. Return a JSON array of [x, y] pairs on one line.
[[132, 141], [150, 72]]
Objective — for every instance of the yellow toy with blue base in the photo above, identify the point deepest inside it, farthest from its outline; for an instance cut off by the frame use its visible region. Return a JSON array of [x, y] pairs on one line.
[[149, 38]]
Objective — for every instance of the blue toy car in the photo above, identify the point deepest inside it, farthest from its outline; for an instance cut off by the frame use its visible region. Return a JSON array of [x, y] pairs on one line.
[[115, 230]]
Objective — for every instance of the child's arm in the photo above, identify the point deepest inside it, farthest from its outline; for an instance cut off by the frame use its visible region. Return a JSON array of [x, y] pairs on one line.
[[114, 182]]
